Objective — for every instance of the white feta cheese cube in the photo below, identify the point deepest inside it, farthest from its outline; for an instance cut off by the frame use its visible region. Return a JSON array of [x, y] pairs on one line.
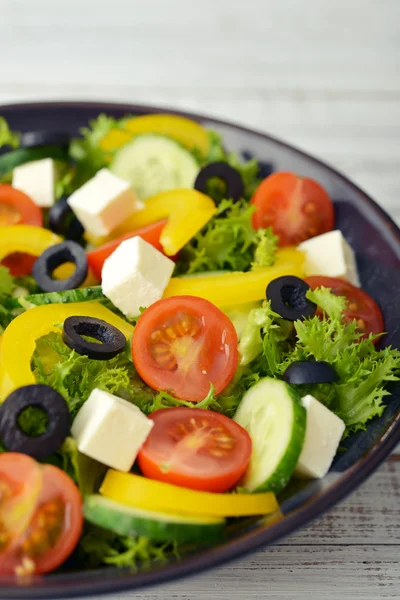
[[37, 180], [330, 255], [134, 275], [103, 202], [110, 430], [324, 431]]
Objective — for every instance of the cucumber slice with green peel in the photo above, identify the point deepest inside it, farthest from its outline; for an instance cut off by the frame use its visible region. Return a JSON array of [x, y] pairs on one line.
[[154, 164], [88, 294], [272, 413], [158, 526], [18, 157]]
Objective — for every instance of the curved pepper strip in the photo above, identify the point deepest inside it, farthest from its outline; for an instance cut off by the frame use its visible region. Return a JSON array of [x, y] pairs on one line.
[[26, 238], [187, 212], [149, 494], [238, 288], [185, 131], [19, 339]]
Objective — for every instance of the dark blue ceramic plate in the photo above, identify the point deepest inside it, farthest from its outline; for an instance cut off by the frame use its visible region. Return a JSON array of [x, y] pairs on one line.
[[376, 240]]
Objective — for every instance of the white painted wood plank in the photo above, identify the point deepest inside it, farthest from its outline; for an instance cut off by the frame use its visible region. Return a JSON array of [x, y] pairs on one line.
[[356, 573], [273, 45]]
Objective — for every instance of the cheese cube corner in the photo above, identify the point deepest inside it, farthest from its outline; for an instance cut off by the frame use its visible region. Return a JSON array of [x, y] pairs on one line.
[[330, 255], [324, 431], [103, 202], [37, 180], [110, 430], [135, 275]]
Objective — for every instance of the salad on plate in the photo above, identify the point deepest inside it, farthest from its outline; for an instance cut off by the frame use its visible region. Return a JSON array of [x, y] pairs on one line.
[[182, 334]]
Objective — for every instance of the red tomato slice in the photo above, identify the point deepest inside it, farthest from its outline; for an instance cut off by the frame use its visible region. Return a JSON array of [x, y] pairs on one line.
[[17, 208], [40, 516], [182, 344], [296, 208], [195, 448], [150, 234], [360, 305]]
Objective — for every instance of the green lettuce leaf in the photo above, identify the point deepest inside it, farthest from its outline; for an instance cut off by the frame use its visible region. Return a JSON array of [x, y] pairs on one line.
[[8, 137], [98, 547], [7, 282], [229, 242]]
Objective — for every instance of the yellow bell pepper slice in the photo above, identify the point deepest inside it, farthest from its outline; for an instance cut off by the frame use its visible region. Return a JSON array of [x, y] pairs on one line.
[[237, 288], [185, 131], [187, 212], [137, 491], [26, 238], [19, 339]]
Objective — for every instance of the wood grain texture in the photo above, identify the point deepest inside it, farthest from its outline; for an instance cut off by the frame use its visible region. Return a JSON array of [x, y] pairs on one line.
[[323, 75]]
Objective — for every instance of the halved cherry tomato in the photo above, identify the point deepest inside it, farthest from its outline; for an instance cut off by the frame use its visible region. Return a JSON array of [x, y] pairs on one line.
[[182, 344], [195, 448], [360, 305], [296, 208], [16, 208], [150, 234], [40, 516]]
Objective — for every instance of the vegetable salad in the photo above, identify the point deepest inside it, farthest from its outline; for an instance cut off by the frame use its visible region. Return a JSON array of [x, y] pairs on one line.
[[182, 333]]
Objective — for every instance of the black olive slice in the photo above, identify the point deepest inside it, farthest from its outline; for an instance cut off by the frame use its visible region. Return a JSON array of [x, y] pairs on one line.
[[112, 339], [35, 139], [53, 257], [58, 420], [288, 299], [305, 372], [63, 221], [231, 177]]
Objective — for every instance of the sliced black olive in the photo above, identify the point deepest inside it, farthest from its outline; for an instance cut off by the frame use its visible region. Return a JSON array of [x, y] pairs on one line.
[[53, 257], [112, 339], [58, 420], [221, 170], [63, 221], [35, 139], [305, 372], [287, 295]]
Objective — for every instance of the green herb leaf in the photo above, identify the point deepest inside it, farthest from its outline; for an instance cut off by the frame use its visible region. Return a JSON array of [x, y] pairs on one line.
[[8, 137]]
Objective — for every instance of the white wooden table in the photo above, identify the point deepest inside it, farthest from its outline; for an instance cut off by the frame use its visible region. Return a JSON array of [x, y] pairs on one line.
[[323, 75]]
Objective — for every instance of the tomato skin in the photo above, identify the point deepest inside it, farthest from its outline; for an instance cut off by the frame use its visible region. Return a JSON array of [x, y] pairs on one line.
[[184, 362], [190, 456], [150, 234], [12, 202], [296, 208], [360, 304], [32, 494], [16, 208]]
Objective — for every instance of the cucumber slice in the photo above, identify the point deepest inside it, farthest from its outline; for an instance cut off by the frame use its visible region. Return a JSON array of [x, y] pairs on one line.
[[154, 164], [88, 294], [158, 526], [272, 413], [18, 157]]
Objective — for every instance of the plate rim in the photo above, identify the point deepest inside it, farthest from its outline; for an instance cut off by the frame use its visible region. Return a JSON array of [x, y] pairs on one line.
[[251, 542]]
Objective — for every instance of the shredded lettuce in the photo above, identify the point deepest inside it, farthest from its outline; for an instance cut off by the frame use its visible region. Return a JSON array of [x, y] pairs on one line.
[[229, 242], [8, 137], [75, 376], [269, 347], [86, 150], [98, 547]]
